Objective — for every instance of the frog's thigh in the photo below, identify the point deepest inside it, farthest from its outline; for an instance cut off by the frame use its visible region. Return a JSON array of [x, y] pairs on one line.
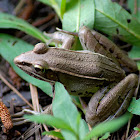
[[117, 98]]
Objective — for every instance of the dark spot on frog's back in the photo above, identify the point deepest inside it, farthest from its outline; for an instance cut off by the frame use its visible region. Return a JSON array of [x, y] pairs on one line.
[[119, 56], [111, 50]]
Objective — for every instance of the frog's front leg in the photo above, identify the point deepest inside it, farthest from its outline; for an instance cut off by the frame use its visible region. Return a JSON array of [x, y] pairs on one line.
[[114, 103], [60, 37]]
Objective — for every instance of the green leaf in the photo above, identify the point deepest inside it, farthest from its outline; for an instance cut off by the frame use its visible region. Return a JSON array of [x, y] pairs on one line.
[[9, 21], [112, 19], [137, 129], [105, 136], [63, 7], [135, 53], [55, 134], [64, 108], [134, 6], [10, 47], [55, 4], [69, 135], [78, 13], [83, 129], [49, 120], [134, 107], [108, 126]]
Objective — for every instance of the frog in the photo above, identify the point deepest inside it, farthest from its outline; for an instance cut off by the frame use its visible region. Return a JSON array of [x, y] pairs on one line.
[[96, 72]]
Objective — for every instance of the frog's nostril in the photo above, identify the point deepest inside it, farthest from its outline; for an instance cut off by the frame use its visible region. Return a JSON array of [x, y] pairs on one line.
[[18, 60]]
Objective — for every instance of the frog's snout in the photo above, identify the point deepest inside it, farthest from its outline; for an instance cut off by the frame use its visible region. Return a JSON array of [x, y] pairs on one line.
[[16, 60]]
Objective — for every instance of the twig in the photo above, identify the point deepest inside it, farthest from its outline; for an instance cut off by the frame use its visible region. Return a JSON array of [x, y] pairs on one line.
[[35, 101], [44, 20], [19, 6], [15, 90], [34, 95], [128, 127]]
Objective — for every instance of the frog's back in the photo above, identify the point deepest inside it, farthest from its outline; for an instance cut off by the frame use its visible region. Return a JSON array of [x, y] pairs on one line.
[[83, 64]]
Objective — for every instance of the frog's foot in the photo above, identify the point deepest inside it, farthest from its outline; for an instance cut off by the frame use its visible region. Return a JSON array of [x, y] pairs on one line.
[[60, 37], [116, 101]]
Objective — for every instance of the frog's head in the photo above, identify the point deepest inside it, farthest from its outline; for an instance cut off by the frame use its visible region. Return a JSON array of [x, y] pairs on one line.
[[33, 63]]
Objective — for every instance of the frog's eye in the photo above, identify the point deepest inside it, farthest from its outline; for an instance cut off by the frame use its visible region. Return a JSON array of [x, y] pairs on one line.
[[39, 68]]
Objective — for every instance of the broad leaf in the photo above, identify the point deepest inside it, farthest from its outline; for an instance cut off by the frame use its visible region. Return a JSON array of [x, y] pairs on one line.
[[78, 13], [10, 47], [109, 126], [134, 6], [105, 136], [65, 109], [135, 53], [63, 106], [134, 107], [55, 134], [112, 19], [83, 129], [137, 129], [49, 120], [9, 21], [63, 7]]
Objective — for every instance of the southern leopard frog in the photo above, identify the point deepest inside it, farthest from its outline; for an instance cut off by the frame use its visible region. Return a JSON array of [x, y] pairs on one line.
[[95, 72]]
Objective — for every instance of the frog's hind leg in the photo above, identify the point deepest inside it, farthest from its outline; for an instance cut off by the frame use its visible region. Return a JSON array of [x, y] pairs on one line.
[[128, 97], [116, 100]]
